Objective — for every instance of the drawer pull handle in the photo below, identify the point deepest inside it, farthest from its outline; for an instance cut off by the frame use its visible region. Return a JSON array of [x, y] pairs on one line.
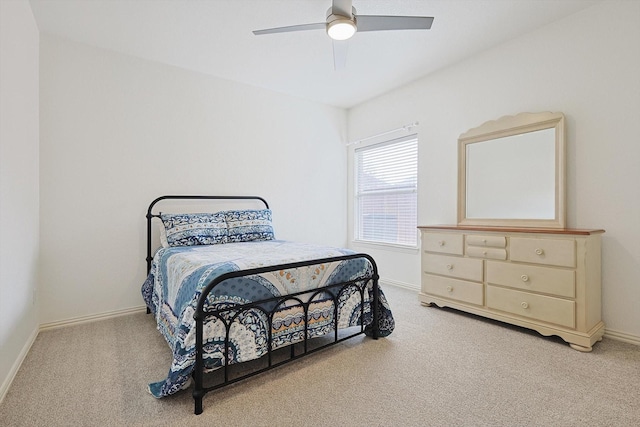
[[524, 305], [449, 288], [484, 241], [539, 251], [449, 266], [441, 243], [524, 278]]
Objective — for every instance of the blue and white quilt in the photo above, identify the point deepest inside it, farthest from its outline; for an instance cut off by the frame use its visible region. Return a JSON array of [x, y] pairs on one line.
[[178, 275]]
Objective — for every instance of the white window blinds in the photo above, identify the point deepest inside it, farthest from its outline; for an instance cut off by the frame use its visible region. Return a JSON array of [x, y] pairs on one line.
[[387, 191]]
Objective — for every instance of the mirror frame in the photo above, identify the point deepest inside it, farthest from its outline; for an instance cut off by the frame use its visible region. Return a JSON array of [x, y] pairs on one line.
[[510, 126]]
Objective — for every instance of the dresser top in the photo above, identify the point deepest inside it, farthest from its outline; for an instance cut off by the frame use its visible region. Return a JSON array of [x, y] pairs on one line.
[[574, 231]]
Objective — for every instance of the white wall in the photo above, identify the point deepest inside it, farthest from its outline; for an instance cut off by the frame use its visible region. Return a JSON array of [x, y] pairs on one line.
[[586, 66], [118, 131], [18, 185]]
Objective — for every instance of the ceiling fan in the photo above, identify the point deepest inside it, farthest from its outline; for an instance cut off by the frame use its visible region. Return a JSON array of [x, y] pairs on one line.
[[343, 22]]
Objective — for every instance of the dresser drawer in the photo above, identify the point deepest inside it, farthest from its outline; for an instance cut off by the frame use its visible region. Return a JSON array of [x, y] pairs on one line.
[[544, 308], [560, 252], [487, 241], [489, 253], [446, 243], [548, 280], [458, 267], [458, 290]]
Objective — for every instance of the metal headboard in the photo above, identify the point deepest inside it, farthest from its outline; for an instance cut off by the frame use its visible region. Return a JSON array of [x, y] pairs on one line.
[[150, 216]]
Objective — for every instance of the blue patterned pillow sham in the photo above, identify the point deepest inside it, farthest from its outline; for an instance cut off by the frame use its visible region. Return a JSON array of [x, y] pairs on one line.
[[195, 229], [249, 225]]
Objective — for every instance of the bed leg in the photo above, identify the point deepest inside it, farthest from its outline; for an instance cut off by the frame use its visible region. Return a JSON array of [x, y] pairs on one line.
[[375, 332], [198, 404], [198, 369]]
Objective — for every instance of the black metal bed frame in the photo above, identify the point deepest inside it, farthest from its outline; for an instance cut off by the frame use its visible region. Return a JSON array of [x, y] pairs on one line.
[[228, 315]]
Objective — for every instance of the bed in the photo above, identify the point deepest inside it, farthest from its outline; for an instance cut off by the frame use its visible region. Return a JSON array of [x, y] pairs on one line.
[[232, 301]]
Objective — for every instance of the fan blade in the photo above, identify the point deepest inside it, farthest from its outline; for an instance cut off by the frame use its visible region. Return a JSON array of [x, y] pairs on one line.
[[382, 23], [340, 49], [302, 27], [342, 8]]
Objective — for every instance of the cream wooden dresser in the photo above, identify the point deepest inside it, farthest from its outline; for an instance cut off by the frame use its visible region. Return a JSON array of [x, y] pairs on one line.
[[547, 280]]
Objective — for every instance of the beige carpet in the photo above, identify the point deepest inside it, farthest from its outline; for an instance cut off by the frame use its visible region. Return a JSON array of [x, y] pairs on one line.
[[439, 368]]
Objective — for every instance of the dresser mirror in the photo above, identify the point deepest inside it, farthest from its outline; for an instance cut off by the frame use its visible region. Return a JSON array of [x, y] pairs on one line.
[[511, 172]]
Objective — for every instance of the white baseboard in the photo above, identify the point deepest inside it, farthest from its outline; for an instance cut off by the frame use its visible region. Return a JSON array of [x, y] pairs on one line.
[[16, 365], [399, 284], [622, 336], [91, 318]]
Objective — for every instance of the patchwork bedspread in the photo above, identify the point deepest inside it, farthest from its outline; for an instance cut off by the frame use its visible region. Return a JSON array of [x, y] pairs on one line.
[[178, 275]]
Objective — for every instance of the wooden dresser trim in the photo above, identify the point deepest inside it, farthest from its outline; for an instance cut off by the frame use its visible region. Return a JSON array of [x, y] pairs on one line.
[[574, 231]]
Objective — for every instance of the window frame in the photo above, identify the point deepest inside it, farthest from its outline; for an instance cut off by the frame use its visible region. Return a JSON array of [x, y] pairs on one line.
[[357, 194]]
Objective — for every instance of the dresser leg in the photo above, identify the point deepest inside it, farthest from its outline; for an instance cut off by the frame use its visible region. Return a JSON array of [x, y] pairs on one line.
[[581, 348]]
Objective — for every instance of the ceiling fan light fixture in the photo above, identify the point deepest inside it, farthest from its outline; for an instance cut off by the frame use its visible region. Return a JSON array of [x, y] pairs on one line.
[[341, 28]]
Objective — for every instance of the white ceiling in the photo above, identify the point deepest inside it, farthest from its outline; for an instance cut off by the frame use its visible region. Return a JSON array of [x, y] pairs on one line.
[[214, 37]]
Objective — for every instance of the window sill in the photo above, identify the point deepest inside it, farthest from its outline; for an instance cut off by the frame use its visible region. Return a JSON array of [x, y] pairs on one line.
[[387, 246]]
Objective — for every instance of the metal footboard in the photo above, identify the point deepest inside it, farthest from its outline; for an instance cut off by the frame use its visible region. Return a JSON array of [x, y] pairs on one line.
[[229, 314]]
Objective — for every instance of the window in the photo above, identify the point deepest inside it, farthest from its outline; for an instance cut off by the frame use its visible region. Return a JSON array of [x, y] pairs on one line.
[[386, 192]]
